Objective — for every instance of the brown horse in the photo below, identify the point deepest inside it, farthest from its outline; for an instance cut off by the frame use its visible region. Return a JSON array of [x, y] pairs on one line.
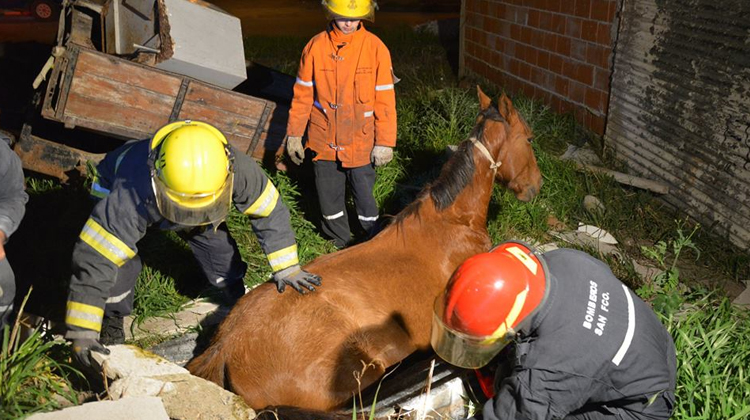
[[375, 304]]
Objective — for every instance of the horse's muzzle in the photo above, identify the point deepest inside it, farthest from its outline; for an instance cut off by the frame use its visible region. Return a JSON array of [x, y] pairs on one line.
[[530, 192]]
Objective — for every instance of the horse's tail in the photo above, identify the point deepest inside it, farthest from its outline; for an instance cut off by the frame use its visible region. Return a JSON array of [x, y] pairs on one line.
[[210, 365], [296, 413]]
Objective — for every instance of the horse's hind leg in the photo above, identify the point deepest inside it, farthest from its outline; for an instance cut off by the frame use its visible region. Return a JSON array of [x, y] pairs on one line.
[[367, 355]]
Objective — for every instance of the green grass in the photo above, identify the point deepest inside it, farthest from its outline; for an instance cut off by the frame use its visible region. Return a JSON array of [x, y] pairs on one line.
[[155, 295], [38, 185], [710, 335], [32, 380], [713, 361], [279, 53]]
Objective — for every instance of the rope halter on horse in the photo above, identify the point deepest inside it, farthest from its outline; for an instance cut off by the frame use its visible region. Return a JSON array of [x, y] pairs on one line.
[[482, 148]]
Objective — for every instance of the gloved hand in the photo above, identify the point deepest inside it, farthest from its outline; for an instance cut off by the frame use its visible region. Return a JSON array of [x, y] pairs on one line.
[[381, 155], [82, 348], [296, 277], [295, 150]]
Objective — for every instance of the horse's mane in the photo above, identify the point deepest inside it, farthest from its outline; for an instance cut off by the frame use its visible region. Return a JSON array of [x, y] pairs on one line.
[[456, 174]]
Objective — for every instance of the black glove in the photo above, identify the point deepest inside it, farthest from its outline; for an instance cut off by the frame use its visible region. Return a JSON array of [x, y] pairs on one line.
[[296, 277], [82, 348]]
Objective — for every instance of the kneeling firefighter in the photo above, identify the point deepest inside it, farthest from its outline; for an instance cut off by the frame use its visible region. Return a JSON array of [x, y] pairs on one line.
[[183, 179], [580, 344]]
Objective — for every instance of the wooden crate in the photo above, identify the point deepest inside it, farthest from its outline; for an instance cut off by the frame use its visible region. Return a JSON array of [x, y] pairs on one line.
[[127, 100]]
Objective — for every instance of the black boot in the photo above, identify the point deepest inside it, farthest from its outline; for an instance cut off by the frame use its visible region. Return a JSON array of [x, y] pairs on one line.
[[113, 331], [232, 293]]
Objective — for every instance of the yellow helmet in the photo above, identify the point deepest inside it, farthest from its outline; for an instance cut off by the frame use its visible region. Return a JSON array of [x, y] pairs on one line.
[[192, 173], [351, 9]]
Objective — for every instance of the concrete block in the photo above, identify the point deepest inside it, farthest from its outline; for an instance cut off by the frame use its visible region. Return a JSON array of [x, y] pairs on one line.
[[134, 386], [744, 298], [206, 44], [136, 372], [198, 312], [125, 361]]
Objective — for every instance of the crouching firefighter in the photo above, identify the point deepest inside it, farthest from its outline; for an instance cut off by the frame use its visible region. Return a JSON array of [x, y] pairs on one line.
[[579, 344], [183, 179]]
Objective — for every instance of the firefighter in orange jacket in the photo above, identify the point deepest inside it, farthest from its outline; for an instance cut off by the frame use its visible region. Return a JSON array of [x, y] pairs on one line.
[[344, 89]]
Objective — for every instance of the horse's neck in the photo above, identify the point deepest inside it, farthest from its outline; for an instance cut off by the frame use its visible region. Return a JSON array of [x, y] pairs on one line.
[[464, 221], [473, 202]]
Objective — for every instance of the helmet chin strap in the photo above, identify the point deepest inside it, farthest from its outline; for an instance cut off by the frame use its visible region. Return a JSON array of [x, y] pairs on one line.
[[482, 148]]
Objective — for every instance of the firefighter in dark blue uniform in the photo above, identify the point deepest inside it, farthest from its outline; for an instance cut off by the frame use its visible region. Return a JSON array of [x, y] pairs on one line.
[[184, 179], [582, 344], [13, 200]]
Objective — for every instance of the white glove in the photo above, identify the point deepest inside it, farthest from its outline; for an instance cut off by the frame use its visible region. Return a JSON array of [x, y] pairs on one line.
[[295, 150], [381, 155]]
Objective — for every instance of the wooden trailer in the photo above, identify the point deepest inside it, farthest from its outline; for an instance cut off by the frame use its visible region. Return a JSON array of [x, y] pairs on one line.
[[121, 99]]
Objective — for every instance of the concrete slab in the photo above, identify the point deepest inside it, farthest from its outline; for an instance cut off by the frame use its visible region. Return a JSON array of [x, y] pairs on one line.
[[194, 314], [214, 53], [142, 408], [137, 372], [744, 298], [125, 361]]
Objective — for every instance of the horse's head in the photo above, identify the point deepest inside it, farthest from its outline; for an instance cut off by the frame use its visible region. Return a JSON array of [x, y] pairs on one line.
[[508, 138]]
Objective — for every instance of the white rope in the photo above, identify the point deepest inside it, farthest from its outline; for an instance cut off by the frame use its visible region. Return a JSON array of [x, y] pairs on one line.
[[482, 148]]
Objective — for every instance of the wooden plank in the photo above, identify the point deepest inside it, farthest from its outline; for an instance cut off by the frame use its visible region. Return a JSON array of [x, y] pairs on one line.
[[127, 73], [228, 101], [230, 124], [127, 96], [112, 118], [633, 181]]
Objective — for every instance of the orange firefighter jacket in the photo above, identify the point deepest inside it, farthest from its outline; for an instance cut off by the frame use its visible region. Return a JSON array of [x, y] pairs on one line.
[[344, 89]]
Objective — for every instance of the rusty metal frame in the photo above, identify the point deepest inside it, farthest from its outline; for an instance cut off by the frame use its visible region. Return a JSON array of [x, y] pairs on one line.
[[59, 85], [53, 159]]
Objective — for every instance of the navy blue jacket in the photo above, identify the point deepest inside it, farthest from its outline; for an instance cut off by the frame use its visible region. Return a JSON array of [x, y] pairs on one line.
[[595, 350]]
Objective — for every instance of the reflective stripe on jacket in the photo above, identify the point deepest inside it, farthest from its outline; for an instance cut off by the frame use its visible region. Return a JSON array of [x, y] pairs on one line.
[[127, 208], [345, 90]]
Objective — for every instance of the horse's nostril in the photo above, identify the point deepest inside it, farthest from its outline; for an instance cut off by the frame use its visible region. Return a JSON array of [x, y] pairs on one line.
[[531, 193]]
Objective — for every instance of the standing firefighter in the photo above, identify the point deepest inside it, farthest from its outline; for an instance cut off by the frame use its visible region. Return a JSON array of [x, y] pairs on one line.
[[344, 90], [583, 345], [184, 179], [13, 200]]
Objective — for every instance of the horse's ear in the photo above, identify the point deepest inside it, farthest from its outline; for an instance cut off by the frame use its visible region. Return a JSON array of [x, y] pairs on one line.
[[484, 100], [505, 106]]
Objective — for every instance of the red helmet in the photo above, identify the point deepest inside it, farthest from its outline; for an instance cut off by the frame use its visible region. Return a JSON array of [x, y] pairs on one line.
[[489, 298]]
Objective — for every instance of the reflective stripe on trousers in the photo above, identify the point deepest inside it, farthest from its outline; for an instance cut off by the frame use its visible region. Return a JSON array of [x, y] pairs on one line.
[[331, 180]]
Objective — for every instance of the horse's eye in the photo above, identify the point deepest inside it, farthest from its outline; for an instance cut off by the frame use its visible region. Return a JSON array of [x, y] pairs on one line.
[[530, 139]]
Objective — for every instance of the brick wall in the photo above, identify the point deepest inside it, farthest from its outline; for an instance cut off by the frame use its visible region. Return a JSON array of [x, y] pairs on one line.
[[556, 51]]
